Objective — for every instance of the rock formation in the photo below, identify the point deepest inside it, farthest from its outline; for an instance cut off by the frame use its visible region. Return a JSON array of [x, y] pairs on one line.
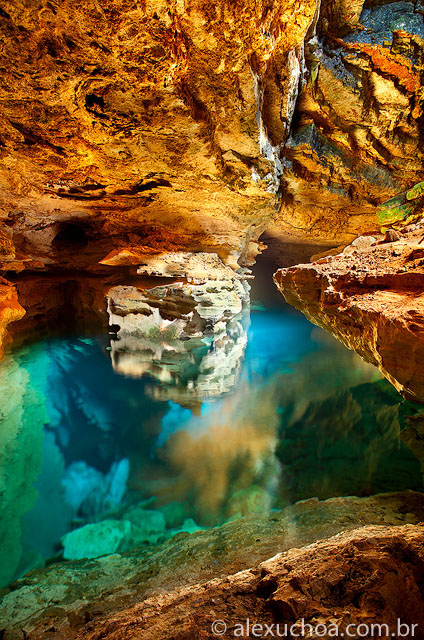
[[197, 323], [128, 131], [144, 149], [356, 137], [356, 578], [371, 298], [82, 598], [186, 127], [10, 310], [137, 126]]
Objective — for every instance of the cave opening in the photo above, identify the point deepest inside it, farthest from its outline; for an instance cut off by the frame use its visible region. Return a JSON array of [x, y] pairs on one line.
[[71, 236]]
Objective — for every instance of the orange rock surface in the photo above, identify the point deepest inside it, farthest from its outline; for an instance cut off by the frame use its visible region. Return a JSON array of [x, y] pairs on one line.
[[372, 299]]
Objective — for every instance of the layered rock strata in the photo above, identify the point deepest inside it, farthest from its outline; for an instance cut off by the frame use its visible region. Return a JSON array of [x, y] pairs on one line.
[[188, 126], [189, 334], [140, 126], [356, 135], [371, 297]]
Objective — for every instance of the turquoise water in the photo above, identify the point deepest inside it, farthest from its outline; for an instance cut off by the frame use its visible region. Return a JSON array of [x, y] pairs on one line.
[[126, 450]]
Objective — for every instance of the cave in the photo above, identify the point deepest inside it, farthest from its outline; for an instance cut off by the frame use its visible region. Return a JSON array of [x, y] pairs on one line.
[[211, 319], [70, 237]]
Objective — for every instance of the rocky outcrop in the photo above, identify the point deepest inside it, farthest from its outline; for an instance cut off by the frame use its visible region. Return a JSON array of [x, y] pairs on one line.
[[336, 585], [371, 298], [356, 136], [133, 130], [189, 334], [63, 599], [10, 310]]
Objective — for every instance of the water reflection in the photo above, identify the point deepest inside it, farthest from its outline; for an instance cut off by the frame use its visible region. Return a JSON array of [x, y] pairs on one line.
[[189, 370], [181, 434]]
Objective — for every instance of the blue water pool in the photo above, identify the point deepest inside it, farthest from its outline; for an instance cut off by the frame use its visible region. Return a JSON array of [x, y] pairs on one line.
[[104, 449]]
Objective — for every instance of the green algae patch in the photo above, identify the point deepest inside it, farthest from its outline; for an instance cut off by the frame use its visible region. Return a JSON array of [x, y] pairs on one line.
[[395, 209], [403, 207], [417, 191]]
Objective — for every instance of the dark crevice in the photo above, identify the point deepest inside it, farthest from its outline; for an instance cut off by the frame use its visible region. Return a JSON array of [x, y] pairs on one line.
[[142, 186], [30, 138], [70, 237]]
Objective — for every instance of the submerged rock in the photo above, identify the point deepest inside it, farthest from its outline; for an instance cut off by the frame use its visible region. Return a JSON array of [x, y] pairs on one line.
[[148, 526], [78, 597], [90, 492], [98, 539], [22, 417], [347, 582]]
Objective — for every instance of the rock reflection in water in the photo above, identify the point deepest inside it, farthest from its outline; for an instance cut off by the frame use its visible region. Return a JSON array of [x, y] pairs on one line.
[[191, 338], [190, 371], [124, 454]]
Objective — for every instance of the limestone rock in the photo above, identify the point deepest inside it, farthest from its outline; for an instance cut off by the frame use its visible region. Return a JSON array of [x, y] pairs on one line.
[[21, 449], [79, 597], [190, 336], [90, 492], [148, 526], [94, 540], [355, 139], [355, 578], [137, 121], [10, 310], [372, 300]]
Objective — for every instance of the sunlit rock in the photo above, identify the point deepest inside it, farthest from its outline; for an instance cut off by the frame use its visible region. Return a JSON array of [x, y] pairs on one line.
[[62, 593], [10, 310], [370, 298], [190, 337]]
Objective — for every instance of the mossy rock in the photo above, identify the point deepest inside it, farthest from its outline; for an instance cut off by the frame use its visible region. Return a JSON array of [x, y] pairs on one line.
[[417, 191], [401, 207]]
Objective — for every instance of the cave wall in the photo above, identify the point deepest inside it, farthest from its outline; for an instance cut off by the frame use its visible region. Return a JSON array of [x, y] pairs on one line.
[[189, 125], [357, 132], [138, 123], [134, 128]]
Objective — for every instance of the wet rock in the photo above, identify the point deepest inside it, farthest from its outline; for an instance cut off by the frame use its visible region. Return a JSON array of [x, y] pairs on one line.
[[23, 414], [355, 578], [148, 526], [78, 597], [98, 539], [134, 131], [90, 492]]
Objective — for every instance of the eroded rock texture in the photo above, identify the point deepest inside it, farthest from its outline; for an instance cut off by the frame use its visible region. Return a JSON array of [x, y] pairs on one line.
[[136, 124], [371, 298], [84, 597], [357, 130], [10, 310], [174, 125], [351, 579]]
